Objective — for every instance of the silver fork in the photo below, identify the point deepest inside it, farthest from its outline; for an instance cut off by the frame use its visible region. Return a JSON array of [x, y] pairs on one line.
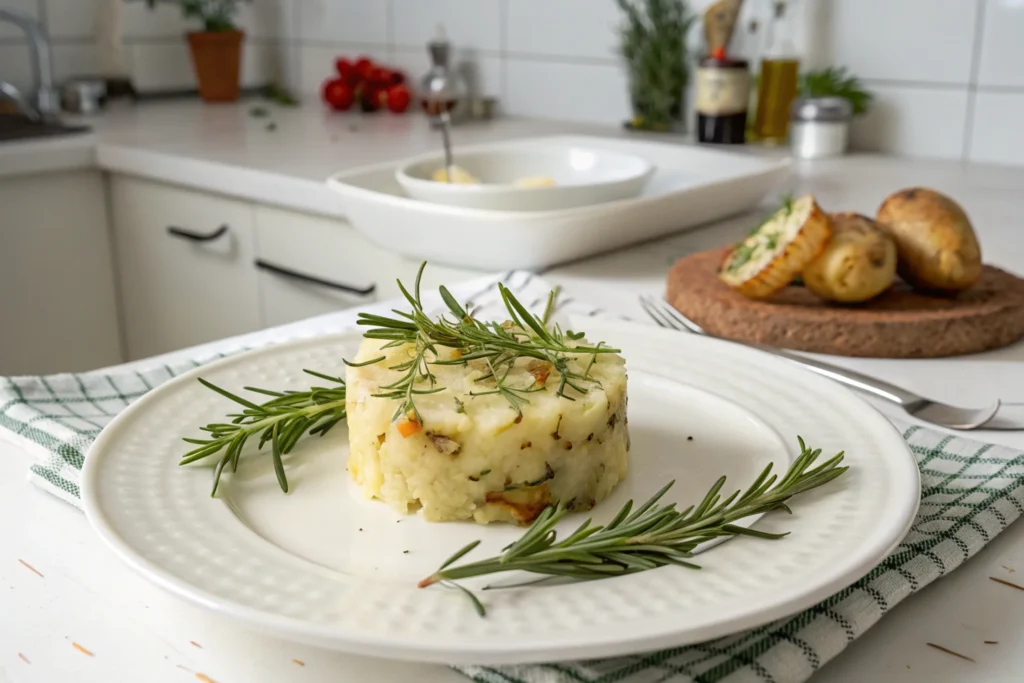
[[936, 412]]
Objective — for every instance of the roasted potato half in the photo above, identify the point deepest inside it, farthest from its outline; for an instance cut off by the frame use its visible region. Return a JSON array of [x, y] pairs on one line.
[[777, 251], [858, 264], [935, 243]]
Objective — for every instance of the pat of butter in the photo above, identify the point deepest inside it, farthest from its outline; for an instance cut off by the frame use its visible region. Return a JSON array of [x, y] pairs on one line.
[[535, 181], [460, 176]]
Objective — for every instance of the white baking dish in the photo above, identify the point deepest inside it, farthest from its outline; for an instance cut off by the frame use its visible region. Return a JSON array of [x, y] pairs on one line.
[[581, 177], [692, 185]]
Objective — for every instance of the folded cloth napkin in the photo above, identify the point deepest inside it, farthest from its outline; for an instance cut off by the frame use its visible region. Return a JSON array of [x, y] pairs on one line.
[[969, 493]]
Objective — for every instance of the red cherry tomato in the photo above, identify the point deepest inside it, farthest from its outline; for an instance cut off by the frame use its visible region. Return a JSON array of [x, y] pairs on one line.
[[338, 94], [397, 77], [363, 68], [346, 71], [398, 98], [369, 97], [380, 76]]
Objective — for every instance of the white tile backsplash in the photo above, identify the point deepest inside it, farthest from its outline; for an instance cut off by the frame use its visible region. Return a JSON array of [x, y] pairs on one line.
[[30, 7], [15, 67], [163, 21], [929, 41], [924, 59], [344, 21], [75, 60], [1002, 44], [998, 136], [539, 89], [539, 27], [72, 18], [161, 66], [469, 24], [915, 121]]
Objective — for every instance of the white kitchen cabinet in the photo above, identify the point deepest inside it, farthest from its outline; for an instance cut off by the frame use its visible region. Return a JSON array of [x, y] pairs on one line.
[[312, 265], [185, 260], [58, 306]]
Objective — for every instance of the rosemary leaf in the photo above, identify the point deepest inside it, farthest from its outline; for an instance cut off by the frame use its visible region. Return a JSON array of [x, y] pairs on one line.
[[652, 536]]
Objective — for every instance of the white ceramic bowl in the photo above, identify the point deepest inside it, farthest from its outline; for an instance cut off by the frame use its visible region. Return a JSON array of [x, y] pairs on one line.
[[583, 176]]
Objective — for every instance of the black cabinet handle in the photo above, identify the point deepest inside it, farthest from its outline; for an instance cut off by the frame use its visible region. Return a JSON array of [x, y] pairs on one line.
[[295, 275], [197, 236]]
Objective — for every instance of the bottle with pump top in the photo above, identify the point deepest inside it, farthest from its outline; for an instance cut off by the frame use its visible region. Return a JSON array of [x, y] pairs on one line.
[[442, 89]]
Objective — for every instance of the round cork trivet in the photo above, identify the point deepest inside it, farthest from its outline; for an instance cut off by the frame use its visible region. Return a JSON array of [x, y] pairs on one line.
[[900, 323]]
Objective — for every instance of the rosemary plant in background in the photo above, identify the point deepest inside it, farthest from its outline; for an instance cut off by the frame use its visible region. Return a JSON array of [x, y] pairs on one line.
[[652, 536], [653, 43], [836, 82]]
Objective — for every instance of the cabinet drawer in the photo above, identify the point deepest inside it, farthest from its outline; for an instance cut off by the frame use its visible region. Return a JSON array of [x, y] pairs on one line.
[[312, 265], [185, 262]]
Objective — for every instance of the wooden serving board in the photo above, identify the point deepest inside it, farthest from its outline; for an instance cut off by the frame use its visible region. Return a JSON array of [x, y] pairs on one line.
[[900, 323]]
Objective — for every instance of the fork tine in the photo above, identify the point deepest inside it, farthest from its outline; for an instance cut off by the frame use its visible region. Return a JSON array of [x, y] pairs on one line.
[[687, 324], [657, 315]]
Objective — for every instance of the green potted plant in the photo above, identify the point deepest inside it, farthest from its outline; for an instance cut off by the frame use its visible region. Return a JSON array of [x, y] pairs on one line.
[[217, 49], [653, 43], [836, 82]]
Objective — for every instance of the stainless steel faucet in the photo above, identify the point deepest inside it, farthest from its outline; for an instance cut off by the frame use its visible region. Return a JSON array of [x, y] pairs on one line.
[[46, 99]]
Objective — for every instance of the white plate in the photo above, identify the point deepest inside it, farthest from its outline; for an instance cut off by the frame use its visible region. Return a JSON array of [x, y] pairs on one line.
[[298, 566], [583, 176], [690, 186]]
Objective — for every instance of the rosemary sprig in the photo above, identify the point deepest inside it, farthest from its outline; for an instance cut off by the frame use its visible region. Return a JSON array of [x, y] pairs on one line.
[[282, 421], [651, 536], [498, 345], [289, 415]]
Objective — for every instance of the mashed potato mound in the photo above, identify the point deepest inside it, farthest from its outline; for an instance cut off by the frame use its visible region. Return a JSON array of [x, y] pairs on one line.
[[475, 456]]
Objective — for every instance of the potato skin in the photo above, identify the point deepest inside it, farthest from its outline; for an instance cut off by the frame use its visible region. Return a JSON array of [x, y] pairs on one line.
[[814, 233], [858, 264], [937, 248]]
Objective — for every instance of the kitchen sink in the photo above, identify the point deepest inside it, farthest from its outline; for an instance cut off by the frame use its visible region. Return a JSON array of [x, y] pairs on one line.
[[14, 127]]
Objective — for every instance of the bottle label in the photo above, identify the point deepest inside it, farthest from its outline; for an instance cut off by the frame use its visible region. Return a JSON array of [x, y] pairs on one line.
[[722, 91]]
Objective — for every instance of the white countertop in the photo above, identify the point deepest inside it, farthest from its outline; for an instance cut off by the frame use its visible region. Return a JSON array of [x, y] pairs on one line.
[[137, 632], [223, 148]]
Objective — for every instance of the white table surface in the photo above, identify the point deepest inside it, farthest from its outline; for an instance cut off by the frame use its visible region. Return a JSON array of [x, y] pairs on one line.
[[137, 633]]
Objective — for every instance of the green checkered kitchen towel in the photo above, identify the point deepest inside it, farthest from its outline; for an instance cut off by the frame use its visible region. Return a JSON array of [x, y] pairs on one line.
[[970, 493]]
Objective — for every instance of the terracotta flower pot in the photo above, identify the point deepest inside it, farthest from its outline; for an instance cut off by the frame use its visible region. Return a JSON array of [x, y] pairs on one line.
[[217, 58]]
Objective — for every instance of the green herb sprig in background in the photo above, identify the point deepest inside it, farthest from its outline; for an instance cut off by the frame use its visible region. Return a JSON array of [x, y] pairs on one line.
[[836, 82]]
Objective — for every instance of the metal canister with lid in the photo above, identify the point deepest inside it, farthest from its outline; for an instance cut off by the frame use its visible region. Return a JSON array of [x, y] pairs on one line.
[[820, 126]]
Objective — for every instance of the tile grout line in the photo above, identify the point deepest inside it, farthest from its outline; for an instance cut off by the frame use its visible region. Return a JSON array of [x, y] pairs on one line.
[[43, 15], [389, 34], [972, 85], [503, 52]]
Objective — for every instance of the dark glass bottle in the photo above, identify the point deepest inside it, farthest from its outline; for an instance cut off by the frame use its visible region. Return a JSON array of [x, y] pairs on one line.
[[723, 94]]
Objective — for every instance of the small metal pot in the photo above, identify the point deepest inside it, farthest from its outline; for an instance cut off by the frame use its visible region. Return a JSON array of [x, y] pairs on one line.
[[820, 127], [84, 95]]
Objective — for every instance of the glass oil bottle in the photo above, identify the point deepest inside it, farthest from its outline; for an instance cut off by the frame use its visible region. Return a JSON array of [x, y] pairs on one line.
[[777, 87]]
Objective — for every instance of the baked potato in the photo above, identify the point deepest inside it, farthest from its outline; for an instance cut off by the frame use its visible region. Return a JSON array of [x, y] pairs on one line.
[[935, 243], [777, 251], [858, 264]]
